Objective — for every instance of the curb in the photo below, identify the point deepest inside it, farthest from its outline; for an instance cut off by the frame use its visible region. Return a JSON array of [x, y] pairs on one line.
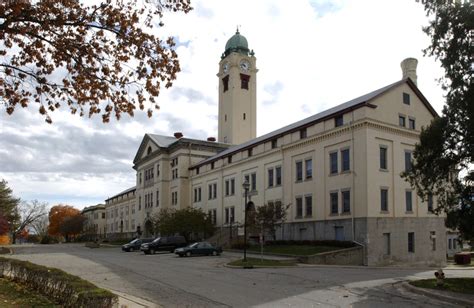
[[258, 266], [129, 301], [434, 294]]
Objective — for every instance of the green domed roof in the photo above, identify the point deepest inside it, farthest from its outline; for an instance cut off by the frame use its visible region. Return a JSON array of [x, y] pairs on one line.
[[237, 43]]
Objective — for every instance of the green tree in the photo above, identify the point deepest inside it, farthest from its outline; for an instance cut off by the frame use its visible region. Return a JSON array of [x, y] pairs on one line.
[[8, 204], [444, 157], [101, 58], [270, 216], [185, 222]]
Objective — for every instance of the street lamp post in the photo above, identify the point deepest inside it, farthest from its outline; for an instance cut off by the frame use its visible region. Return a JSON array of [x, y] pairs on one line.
[[246, 186]]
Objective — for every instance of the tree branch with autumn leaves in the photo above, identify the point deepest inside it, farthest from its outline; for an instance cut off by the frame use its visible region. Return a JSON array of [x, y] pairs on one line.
[[95, 59]]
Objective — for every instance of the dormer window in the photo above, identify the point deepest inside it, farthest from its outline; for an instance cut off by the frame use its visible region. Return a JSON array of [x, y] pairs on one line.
[[338, 121], [148, 151]]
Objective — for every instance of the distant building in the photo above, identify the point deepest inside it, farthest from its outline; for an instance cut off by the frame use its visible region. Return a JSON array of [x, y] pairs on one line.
[[339, 170], [94, 226]]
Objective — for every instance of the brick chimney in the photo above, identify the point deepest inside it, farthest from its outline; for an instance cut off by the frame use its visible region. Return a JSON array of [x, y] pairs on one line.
[[409, 69], [178, 135]]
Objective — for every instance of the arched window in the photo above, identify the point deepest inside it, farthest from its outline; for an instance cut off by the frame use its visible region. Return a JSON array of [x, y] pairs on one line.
[[148, 152]]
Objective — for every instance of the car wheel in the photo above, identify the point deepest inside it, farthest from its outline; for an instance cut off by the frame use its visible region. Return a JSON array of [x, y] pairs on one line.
[[188, 253], [214, 253]]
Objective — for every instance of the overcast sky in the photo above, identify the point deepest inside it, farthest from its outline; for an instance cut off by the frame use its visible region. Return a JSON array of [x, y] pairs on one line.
[[311, 55]]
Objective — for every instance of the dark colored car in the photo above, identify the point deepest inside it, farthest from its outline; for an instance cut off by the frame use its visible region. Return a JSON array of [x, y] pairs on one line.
[[135, 244], [199, 248], [164, 243]]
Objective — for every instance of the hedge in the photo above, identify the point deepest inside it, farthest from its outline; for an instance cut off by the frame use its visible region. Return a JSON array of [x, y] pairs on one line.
[[333, 243], [64, 289]]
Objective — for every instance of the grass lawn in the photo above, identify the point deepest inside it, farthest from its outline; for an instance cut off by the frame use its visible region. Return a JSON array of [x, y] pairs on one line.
[[461, 285], [259, 262], [296, 250], [15, 295]]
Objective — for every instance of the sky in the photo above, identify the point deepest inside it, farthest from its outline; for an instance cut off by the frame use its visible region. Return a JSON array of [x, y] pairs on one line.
[[311, 55]]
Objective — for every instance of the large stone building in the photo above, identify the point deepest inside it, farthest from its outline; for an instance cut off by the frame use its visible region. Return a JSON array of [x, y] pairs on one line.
[[339, 170]]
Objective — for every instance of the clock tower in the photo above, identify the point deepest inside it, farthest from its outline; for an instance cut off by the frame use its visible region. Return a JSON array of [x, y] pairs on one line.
[[237, 92]]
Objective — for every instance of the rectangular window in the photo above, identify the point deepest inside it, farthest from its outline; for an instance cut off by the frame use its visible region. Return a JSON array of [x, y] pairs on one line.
[[408, 201], [212, 165], [229, 159], [278, 175], [401, 121], [411, 241], [157, 198], [195, 195], [227, 188], [299, 171], [308, 168], [430, 203], [232, 186], [270, 177], [225, 83], [232, 214], [345, 159], [386, 244], [299, 207], [209, 190], [383, 158], [346, 201], [433, 240], [199, 194], [334, 202], [309, 205], [197, 170], [333, 162], [338, 121], [249, 152], [139, 203], [407, 161], [303, 133], [384, 200], [214, 195], [406, 98], [411, 123], [227, 215], [450, 245], [244, 81], [254, 181], [274, 144]]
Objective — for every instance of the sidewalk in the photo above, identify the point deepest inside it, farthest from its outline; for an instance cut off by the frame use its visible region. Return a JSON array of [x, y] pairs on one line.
[[465, 300]]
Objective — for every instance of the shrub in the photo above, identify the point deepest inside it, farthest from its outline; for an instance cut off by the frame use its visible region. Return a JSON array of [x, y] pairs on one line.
[[239, 244], [47, 239], [33, 238], [333, 243], [65, 289]]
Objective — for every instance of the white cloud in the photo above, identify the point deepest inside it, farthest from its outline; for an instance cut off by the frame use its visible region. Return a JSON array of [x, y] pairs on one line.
[[311, 55]]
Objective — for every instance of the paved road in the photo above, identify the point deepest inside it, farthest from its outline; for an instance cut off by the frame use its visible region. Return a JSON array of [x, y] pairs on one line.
[[204, 281]]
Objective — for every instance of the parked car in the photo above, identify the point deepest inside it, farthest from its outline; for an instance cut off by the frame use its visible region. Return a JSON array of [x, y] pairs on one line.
[[164, 243], [198, 248], [135, 244]]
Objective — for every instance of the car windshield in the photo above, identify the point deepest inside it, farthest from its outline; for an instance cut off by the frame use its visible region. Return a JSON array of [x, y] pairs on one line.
[[194, 245], [156, 240]]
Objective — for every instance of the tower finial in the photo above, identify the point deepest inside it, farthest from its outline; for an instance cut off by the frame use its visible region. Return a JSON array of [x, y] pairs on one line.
[[237, 30]]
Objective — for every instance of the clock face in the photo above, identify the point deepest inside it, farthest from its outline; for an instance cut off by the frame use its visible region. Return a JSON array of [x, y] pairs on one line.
[[244, 65], [225, 67]]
